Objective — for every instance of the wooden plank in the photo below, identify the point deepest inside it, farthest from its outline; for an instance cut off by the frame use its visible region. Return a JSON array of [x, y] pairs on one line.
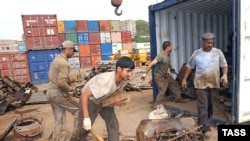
[[120, 97]]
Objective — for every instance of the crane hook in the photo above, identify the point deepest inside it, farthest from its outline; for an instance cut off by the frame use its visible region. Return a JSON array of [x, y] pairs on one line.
[[116, 11]]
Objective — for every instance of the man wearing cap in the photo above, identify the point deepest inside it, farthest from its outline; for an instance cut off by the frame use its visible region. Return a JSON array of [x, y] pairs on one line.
[[58, 93], [206, 62]]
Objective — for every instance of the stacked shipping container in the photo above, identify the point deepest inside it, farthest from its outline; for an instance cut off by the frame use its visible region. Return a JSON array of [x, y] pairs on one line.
[[94, 41], [42, 42], [14, 62]]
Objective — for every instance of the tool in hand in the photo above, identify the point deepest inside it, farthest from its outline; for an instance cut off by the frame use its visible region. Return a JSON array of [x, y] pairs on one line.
[[98, 137], [138, 84]]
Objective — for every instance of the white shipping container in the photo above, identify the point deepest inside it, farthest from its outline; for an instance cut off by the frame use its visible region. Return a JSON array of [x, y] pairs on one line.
[[116, 47], [105, 37], [9, 48]]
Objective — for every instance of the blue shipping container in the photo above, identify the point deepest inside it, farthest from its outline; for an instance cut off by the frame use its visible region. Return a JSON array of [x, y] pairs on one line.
[[39, 62], [106, 49], [93, 26], [70, 26], [106, 57], [83, 38]]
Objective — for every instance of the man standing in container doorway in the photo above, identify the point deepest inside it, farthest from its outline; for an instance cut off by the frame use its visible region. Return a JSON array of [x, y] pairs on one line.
[[207, 62], [100, 87], [58, 93], [162, 78]]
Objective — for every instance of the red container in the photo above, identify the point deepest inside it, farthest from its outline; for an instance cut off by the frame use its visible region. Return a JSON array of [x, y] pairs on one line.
[[62, 37], [126, 36], [40, 31], [105, 25], [30, 21], [94, 38], [15, 66], [95, 49], [116, 37], [85, 61], [81, 26]]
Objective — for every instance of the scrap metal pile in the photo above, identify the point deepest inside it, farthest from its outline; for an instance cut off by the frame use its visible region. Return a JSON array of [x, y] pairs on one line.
[[13, 94]]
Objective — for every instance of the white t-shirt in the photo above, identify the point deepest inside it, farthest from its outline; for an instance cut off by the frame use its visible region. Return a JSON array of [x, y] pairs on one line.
[[207, 67], [103, 85]]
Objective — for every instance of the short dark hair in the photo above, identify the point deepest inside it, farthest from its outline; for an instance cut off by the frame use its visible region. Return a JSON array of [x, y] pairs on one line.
[[166, 44], [125, 62]]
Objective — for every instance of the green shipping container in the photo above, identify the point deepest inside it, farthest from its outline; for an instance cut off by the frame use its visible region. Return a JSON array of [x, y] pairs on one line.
[[72, 37]]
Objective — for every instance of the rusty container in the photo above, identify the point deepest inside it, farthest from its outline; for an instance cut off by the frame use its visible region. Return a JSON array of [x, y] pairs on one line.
[[94, 38], [84, 50], [95, 49], [81, 26], [105, 25], [85, 61], [126, 36]]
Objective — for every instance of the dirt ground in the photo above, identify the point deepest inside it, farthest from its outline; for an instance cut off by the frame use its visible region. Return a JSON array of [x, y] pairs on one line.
[[129, 115]]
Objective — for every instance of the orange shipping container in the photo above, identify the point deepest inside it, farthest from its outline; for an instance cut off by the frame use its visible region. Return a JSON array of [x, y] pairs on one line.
[[94, 38], [84, 50], [105, 25], [127, 46], [95, 59], [116, 37], [85, 61], [60, 25], [81, 26]]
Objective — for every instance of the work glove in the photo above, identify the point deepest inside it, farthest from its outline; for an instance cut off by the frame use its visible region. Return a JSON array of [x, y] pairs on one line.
[[143, 76], [184, 83], [87, 124], [224, 80]]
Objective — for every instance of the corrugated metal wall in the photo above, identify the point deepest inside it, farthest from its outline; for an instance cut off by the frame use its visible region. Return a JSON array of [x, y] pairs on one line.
[[184, 27]]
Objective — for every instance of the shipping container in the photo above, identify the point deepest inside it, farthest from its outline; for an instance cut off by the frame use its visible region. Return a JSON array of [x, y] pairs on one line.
[[9, 48], [116, 47], [60, 25], [106, 49], [74, 62], [40, 31], [95, 59], [105, 25], [105, 37], [71, 37], [116, 37], [126, 36], [39, 63], [85, 61], [94, 38], [95, 49], [184, 21], [93, 26], [127, 46], [106, 57], [84, 50], [81, 26], [15, 66], [83, 37], [70, 26], [62, 37], [115, 25]]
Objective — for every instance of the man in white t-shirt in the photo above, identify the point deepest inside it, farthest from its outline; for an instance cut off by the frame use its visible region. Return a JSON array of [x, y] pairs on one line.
[[207, 62], [99, 88]]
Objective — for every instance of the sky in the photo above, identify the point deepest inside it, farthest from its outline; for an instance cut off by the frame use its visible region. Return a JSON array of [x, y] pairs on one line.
[[11, 10]]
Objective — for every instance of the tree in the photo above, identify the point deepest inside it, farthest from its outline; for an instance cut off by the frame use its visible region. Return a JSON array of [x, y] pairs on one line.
[[142, 29]]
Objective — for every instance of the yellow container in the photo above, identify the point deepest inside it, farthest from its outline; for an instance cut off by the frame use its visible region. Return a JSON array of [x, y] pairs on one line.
[[60, 25]]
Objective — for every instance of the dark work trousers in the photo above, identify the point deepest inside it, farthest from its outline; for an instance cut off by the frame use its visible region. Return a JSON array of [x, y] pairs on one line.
[[107, 114], [205, 98], [163, 83]]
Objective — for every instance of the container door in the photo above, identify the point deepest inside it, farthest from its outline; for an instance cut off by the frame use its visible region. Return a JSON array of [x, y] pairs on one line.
[[244, 61]]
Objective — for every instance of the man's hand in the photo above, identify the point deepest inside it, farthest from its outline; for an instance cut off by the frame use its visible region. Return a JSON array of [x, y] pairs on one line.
[[184, 83], [87, 124], [224, 80], [143, 76]]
